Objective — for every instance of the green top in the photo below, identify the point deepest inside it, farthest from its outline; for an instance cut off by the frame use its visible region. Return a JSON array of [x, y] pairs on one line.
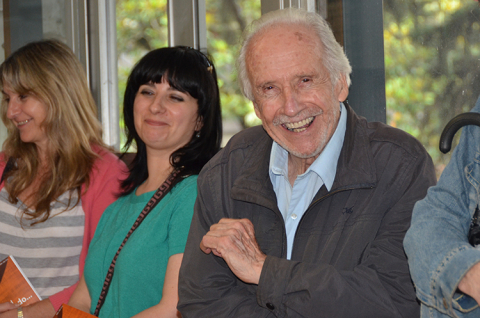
[[141, 266]]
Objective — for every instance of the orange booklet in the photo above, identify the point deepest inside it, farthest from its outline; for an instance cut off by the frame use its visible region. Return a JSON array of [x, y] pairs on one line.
[[14, 285], [67, 311]]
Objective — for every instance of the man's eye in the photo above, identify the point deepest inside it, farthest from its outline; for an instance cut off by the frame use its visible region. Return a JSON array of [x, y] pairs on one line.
[[305, 80]]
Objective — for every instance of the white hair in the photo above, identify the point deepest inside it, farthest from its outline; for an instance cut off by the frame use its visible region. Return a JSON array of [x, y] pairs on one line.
[[334, 59]]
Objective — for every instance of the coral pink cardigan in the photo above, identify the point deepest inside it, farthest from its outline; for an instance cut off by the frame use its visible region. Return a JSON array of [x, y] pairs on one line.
[[105, 178]]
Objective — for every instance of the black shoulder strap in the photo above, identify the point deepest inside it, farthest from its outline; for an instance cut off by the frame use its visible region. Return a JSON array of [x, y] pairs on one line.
[[159, 194]]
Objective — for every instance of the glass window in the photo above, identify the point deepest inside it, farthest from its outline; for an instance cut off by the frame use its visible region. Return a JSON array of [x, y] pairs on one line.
[[432, 66], [432, 53], [143, 26], [226, 21], [31, 20]]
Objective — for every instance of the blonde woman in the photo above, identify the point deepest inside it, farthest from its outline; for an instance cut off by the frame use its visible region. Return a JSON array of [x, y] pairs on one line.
[[57, 174]]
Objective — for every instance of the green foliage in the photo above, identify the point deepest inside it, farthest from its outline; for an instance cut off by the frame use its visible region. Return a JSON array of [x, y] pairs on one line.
[[432, 57], [141, 27], [225, 23], [432, 67]]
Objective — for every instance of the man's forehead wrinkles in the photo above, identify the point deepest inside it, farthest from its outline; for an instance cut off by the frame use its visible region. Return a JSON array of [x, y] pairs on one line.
[[266, 55]]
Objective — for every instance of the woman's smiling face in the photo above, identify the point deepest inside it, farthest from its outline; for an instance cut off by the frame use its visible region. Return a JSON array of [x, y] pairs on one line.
[[165, 118], [27, 113]]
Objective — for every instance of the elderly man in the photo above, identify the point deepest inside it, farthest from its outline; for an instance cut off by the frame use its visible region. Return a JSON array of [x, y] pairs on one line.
[[306, 216]]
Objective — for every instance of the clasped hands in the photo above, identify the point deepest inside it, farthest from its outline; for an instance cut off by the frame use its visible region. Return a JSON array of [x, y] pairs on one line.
[[234, 241]]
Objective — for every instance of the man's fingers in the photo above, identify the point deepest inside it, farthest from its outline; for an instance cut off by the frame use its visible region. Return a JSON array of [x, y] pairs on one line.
[[230, 240], [231, 236], [234, 241], [244, 226], [205, 249]]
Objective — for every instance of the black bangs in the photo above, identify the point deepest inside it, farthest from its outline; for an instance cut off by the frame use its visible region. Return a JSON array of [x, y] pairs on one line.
[[182, 68], [149, 69]]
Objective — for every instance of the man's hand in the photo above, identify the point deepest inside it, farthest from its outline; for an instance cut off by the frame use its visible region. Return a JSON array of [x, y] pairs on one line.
[[234, 241], [470, 283]]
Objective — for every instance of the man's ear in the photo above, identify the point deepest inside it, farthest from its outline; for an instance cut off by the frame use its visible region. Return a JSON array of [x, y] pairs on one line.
[[257, 110], [341, 88]]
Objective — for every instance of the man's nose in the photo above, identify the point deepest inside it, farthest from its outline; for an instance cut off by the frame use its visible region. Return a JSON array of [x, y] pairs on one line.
[[291, 105]]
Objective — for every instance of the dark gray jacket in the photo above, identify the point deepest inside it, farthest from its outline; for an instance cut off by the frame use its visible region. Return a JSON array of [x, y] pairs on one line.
[[347, 257]]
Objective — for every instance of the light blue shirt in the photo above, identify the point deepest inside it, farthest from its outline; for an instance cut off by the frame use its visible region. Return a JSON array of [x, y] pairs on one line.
[[293, 202]]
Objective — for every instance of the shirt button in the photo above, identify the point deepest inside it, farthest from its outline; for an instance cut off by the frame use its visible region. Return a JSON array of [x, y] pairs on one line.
[[294, 216], [270, 306], [445, 303]]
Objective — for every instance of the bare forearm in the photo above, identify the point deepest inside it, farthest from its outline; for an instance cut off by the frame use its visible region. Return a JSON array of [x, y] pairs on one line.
[[167, 307], [41, 309], [79, 303], [160, 311], [79, 306], [81, 297]]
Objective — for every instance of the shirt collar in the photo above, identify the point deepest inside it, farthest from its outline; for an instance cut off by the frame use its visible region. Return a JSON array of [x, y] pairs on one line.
[[325, 166]]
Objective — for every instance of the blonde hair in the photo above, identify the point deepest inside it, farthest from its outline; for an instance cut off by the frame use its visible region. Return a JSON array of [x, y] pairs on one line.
[[50, 71]]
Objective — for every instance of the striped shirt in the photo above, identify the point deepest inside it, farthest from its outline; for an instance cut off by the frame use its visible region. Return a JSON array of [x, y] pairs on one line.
[[47, 252]]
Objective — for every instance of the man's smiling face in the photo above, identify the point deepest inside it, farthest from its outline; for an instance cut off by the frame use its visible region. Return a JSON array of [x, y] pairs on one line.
[[293, 93]]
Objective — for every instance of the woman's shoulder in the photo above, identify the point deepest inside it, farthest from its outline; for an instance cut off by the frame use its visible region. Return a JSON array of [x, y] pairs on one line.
[[106, 156], [188, 183], [3, 164], [107, 160], [107, 172], [3, 160], [185, 188]]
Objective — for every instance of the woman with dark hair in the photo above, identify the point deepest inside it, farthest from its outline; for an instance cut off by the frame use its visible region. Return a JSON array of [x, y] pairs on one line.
[[172, 113]]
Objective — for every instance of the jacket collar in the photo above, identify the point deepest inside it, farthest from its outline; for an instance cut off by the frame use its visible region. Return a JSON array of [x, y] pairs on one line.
[[253, 184], [355, 167]]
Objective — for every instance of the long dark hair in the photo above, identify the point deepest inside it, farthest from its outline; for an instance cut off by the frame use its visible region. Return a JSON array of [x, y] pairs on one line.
[[189, 71]]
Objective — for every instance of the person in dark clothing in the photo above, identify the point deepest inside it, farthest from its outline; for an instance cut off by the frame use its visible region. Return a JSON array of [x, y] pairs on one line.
[[305, 216]]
